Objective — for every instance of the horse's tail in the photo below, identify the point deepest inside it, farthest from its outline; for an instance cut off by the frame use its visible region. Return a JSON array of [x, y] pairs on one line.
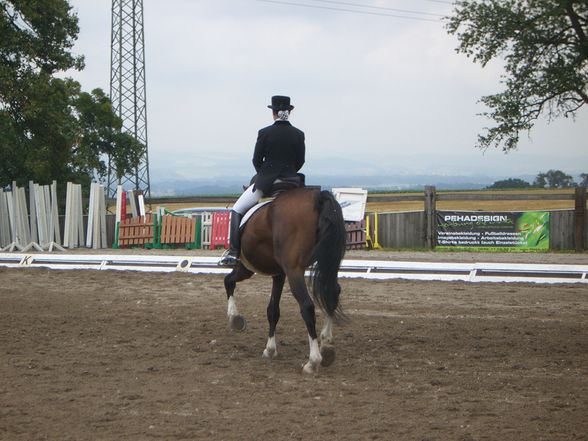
[[328, 253]]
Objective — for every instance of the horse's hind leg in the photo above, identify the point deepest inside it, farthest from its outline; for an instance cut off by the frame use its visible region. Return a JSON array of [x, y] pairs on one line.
[[307, 310], [239, 273], [273, 315], [327, 348], [327, 331]]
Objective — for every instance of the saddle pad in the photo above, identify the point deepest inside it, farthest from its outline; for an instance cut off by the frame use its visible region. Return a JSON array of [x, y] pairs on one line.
[[251, 211]]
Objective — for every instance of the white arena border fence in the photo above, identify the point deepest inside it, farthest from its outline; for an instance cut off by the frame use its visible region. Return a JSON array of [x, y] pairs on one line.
[[365, 269]]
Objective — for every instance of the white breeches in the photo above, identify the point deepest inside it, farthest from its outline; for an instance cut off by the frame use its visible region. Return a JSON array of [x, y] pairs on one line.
[[247, 200]]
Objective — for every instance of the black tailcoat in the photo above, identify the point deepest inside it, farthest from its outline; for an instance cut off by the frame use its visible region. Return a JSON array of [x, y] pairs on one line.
[[279, 152]]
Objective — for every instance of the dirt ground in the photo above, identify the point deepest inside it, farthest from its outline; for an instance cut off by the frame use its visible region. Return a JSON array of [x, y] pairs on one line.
[[104, 355]]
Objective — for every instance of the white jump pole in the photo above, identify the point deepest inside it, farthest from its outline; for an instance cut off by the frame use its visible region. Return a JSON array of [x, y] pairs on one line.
[[5, 229], [119, 191], [96, 216], [33, 212], [52, 218], [78, 217], [22, 224], [25, 224], [102, 211], [91, 220], [12, 220], [43, 229], [132, 194], [67, 227], [55, 214], [141, 205]]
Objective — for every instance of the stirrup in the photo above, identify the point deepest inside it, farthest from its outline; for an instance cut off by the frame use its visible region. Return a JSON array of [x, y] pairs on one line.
[[227, 259]]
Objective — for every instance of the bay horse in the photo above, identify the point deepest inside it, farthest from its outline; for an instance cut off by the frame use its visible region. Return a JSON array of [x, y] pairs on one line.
[[301, 228]]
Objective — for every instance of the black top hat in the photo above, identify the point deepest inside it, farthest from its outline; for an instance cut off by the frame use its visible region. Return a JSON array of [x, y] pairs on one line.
[[281, 103]]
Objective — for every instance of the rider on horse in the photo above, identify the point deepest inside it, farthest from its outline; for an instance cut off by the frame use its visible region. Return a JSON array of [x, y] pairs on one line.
[[279, 153]]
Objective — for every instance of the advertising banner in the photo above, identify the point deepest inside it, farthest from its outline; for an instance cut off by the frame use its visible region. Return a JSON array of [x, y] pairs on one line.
[[488, 231]]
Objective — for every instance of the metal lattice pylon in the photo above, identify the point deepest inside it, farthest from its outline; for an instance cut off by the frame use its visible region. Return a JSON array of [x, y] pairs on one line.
[[127, 87]]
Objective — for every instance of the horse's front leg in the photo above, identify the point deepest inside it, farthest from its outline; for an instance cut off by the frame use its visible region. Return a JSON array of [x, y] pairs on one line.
[[239, 273], [307, 310], [273, 315]]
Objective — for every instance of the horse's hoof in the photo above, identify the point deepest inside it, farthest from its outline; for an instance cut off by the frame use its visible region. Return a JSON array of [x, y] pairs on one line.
[[309, 369], [328, 354], [237, 323], [269, 354]]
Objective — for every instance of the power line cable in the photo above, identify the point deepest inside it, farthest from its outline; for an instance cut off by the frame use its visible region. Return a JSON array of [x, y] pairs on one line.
[[383, 8], [354, 11], [440, 1], [444, 2]]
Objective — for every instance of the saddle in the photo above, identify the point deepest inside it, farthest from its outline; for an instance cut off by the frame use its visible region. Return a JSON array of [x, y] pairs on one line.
[[281, 185]]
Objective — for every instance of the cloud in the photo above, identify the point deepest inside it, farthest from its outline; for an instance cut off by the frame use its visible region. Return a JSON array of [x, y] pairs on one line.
[[386, 94]]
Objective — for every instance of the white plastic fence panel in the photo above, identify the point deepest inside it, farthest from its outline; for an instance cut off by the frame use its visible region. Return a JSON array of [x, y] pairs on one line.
[[206, 229]]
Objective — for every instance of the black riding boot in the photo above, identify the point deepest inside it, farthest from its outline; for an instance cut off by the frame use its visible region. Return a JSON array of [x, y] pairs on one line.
[[232, 256]]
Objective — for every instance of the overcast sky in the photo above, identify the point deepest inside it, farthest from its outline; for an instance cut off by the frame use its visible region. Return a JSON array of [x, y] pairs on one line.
[[374, 93]]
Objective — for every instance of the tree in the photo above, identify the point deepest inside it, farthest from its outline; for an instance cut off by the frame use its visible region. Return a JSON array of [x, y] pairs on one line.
[[584, 180], [540, 181], [509, 183], [545, 48], [99, 134], [49, 128], [37, 36], [554, 179]]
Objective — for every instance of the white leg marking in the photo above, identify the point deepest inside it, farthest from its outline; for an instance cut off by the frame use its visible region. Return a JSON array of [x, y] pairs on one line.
[[314, 359], [232, 307], [271, 350], [327, 332], [236, 321]]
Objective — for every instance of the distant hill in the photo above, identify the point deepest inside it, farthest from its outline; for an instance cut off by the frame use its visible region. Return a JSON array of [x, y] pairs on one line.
[[234, 184]]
